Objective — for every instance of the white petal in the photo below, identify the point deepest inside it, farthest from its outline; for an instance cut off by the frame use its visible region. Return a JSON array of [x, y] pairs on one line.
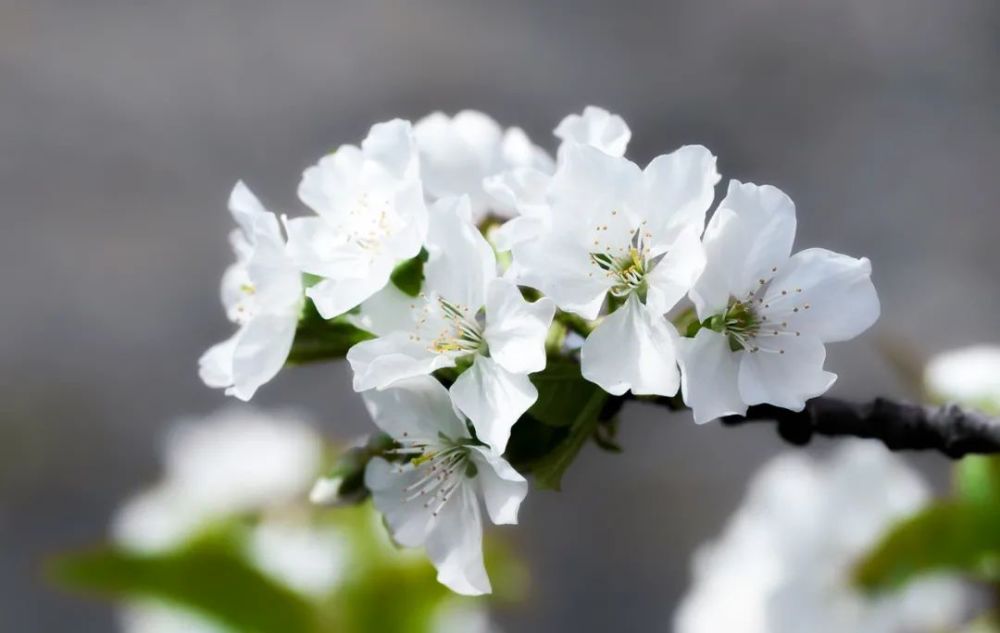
[[588, 184], [709, 374], [750, 234], [503, 487], [388, 310], [417, 408], [331, 186], [411, 211], [493, 399], [523, 190], [596, 127], [455, 545], [380, 362], [517, 150], [392, 145], [518, 230], [333, 297], [457, 153], [276, 280], [786, 372], [837, 288], [460, 261], [216, 365], [245, 207], [677, 190], [633, 348], [410, 522], [515, 329], [716, 285], [677, 272], [318, 249], [559, 265], [261, 352]]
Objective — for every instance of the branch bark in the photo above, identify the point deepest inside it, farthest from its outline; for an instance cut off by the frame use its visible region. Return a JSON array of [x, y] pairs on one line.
[[900, 426]]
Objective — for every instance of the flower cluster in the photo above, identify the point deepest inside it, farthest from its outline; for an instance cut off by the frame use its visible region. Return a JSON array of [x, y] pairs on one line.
[[522, 257]]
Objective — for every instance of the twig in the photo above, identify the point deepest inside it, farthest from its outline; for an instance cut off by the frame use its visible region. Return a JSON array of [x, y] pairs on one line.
[[900, 426]]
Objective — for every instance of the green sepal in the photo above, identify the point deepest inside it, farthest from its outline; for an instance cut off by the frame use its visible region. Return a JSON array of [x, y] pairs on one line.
[[319, 339], [408, 276]]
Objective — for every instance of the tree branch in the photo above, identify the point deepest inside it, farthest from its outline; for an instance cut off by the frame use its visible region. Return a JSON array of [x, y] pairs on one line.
[[900, 426]]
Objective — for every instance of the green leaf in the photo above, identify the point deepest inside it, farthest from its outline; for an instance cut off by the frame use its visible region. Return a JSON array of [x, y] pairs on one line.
[[409, 275], [953, 535], [562, 393], [208, 576], [977, 479], [319, 339], [548, 470]]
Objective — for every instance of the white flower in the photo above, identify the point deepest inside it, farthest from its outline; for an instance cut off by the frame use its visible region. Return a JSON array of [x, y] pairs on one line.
[[466, 312], [525, 188], [432, 498], [969, 375], [262, 292], [371, 216], [783, 563], [457, 153], [634, 235], [769, 314], [234, 461]]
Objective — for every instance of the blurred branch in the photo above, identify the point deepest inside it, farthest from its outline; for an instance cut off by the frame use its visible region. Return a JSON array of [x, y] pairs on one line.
[[899, 425]]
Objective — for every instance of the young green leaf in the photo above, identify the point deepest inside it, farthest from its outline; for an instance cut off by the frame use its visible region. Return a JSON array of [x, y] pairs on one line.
[[950, 536], [208, 577], [548, 471], [562, 393]]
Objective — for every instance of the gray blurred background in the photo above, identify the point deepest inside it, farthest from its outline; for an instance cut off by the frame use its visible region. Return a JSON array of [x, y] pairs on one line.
[[123, 125]]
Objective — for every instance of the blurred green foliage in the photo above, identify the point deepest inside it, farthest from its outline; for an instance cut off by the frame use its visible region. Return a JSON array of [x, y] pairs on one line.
[[208, 575], [381, 589]]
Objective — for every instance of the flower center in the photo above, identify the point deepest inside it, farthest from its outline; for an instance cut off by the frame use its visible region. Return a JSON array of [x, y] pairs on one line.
[[759, 321], [627, 267], [246, 306], [462, 332], [740, 323], [440, 466], [369, 222]]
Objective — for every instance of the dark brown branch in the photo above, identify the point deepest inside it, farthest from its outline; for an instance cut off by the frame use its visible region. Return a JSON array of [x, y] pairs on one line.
[[900, 426]]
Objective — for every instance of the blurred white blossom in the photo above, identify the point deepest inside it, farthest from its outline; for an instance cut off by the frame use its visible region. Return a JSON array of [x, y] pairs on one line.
[[970, 375], [237, 460], [458, 153], [783, 562]]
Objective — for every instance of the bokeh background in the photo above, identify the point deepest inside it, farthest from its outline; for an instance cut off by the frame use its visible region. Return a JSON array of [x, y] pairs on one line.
[[123, 124]]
